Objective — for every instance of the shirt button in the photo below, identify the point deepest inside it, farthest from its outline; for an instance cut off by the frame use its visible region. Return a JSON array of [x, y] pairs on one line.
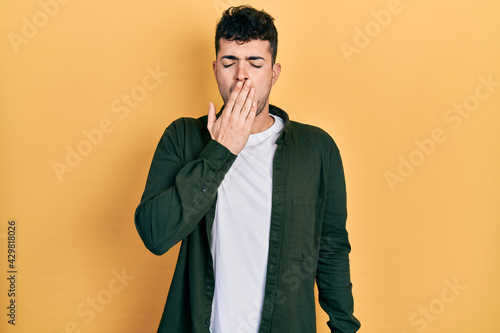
[[208, 286], [203, 189], [221, 157], [272, 268], [207, 321]]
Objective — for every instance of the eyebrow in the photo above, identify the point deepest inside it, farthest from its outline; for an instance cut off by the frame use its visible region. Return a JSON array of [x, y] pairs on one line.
[[232, 57]]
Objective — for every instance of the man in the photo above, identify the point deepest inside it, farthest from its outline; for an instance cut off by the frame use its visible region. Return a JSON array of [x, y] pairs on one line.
[[257, 200]]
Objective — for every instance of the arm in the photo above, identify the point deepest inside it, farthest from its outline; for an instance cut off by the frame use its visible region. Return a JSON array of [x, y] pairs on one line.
[[177, 196], [333, 274]]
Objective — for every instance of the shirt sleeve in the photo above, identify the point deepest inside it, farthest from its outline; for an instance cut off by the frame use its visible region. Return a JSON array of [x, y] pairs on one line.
[[178, 193], [333, 273]]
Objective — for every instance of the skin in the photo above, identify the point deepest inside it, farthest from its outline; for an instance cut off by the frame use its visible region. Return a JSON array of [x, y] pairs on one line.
[[244, 74]]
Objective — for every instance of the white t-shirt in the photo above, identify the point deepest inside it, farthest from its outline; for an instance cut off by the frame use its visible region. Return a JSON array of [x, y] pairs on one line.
[[240, 235]]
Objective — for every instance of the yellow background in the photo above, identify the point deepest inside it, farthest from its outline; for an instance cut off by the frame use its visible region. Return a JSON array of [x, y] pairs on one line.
[[425, 247]]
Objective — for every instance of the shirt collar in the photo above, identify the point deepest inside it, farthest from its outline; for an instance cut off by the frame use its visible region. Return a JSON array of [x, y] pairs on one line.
[[283, 115]]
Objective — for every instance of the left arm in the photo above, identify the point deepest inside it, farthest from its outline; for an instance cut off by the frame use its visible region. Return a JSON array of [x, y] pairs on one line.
[[333, 273]]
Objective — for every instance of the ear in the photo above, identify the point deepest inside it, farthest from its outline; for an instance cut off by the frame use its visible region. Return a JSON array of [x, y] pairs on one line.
[[214, 67], [276, 73]]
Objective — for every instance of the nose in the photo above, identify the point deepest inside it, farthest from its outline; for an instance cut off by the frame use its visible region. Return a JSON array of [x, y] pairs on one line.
[[241, 73]]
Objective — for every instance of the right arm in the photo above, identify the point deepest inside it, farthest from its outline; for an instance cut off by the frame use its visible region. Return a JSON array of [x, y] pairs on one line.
[[176, 195]]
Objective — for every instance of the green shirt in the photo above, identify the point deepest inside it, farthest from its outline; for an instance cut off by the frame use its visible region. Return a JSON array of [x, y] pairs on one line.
[[308, 241]]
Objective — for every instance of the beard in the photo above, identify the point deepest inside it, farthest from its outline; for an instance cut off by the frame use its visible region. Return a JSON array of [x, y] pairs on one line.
[[261, 103]]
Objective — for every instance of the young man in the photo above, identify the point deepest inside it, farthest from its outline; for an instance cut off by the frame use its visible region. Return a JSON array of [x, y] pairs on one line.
[[257, 200]]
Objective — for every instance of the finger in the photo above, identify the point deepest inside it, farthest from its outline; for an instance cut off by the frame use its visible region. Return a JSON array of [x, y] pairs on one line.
[[253, 112], [211, 116], [232, 98], [242, 97], [248, 104]]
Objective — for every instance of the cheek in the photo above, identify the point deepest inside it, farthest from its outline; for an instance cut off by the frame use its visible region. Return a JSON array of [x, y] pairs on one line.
[[263, 83], [225, 80], [263, 78]]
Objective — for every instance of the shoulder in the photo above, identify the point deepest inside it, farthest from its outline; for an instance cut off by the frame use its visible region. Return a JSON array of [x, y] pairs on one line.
[[310, 136], [189, 123], [187, 132], [186, 127]]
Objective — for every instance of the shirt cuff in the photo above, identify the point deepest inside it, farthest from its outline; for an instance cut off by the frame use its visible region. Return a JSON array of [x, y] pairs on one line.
[[218, 155]]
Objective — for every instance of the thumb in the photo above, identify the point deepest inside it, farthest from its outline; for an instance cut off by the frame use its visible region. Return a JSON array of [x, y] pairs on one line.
[[211, 116]]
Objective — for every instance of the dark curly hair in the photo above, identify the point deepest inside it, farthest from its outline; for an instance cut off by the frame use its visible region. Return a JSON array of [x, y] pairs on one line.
[[245, 23]]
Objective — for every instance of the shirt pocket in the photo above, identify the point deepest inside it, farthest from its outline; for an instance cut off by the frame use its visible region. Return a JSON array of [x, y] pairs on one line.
[[304, 235]]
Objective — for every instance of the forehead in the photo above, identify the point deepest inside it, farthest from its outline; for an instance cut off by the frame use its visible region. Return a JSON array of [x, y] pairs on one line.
[[254, 47]]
